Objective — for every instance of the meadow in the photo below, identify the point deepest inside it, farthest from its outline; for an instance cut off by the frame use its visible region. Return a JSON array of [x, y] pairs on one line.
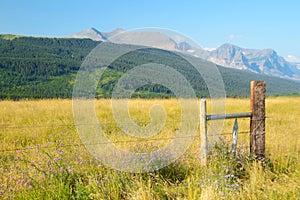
[[42, 156]]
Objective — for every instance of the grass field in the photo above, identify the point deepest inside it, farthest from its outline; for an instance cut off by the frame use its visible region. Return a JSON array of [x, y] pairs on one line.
[[42, 157]]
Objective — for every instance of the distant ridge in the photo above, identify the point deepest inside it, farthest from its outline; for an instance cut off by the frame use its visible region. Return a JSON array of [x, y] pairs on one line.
[[91, 33], [96, 35], [265, 61]]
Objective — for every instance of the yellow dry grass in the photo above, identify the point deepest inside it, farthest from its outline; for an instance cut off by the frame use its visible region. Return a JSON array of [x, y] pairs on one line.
[[33, 133]]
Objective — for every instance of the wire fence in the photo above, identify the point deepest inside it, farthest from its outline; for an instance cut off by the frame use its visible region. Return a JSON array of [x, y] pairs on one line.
[[71, 127], [224, 135]]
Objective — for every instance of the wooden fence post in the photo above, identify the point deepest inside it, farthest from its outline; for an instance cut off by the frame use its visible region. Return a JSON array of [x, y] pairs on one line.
[[203, 136], [257, 122]]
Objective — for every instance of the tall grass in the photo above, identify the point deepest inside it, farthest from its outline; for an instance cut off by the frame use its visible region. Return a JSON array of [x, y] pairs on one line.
[[42, 156]]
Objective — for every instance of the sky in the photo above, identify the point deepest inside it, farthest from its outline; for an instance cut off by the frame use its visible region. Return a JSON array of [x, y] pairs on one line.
[[247, 23]]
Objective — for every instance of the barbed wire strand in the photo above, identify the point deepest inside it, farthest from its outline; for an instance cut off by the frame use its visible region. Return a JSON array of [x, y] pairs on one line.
[[92, 124], [9, 126], [102, 143]]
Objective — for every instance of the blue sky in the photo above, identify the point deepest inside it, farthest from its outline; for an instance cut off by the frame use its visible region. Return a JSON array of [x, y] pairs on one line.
[[250, 24]]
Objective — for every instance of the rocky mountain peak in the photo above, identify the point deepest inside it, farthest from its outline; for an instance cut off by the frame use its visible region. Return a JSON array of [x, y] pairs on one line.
[[265, 61], [90, 33]]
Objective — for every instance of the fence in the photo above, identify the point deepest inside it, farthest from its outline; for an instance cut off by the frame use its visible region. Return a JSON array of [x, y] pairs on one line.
[[257, 122], [257, 125]]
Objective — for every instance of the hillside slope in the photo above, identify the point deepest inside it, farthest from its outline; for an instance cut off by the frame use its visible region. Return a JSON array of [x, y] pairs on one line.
[[47, 67]]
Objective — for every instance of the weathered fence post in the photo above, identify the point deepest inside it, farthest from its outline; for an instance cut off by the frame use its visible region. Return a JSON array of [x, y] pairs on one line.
[[257, 123], [203, 137]]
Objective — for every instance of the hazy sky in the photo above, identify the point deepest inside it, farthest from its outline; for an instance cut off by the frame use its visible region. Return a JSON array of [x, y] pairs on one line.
[[250, 24]]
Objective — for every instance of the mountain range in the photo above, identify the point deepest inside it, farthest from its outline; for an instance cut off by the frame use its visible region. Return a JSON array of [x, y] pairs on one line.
[[266, 61]]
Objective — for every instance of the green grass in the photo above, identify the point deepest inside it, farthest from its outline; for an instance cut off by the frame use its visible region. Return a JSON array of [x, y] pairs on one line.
[[9, 36], [42, 156]]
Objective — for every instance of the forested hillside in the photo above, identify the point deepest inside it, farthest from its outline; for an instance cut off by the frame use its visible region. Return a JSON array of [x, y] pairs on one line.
[[46, 68], [40, 67]]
